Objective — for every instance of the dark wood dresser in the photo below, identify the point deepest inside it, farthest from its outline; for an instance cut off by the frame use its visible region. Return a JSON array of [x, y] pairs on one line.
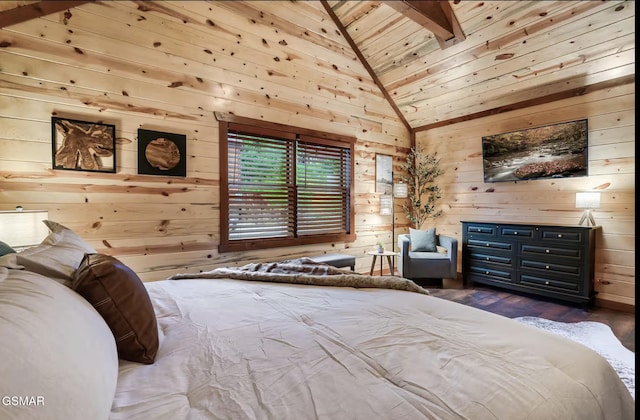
[[547, 260]]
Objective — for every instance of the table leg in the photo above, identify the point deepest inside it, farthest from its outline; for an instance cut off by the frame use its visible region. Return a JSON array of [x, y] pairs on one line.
[[390, 261], [373, 264]]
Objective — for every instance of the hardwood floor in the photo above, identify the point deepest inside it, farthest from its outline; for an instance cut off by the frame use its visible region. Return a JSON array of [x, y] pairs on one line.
[[513, 305]]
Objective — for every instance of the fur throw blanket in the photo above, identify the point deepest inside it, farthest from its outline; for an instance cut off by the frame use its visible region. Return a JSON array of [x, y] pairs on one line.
[[305, 271]]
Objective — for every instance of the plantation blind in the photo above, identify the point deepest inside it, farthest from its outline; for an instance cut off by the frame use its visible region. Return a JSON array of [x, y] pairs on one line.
[[322, 180], [283, 188], [260, 184]]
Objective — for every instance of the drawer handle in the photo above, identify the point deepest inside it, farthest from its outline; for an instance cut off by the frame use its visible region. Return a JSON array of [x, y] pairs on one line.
[[560, 235], [486, 272], [488, 259], [487, 244], [547, 251], [515, 233], [546, 282], [546, 266], [479, 230]]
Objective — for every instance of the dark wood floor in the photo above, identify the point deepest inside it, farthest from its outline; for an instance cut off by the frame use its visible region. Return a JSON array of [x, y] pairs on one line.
[[512, 305]]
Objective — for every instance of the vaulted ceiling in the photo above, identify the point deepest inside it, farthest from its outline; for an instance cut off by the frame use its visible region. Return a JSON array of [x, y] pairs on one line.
[[442, 62]]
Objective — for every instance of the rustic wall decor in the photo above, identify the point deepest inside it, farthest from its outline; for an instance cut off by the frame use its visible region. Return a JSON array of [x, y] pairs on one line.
[[161, 153], [384, 174], [550, 151], [83, 146]]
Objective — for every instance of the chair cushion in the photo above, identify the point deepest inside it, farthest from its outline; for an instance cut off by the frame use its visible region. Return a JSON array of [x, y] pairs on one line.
[[121, 298], [423, 240], [428, 256]]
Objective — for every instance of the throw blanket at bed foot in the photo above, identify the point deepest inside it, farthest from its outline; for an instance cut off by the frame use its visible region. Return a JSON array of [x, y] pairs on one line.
[[305, 271]]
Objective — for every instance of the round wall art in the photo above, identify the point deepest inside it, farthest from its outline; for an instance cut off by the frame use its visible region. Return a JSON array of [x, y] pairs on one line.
[[161, 153]]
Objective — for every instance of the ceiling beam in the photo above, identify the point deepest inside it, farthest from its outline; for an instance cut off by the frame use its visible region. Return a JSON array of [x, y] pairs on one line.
[[557, 96], [34, 10], [365, 63], [436, 16]]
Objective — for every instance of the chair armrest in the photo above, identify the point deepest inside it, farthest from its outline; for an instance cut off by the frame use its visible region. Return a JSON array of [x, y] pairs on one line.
[[403, 259], [451, 244], [403, 244]]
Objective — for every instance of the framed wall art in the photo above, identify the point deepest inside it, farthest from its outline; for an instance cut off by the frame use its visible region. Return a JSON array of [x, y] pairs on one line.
[[161, 153], [551, 151], [384, 174], [82, 145]]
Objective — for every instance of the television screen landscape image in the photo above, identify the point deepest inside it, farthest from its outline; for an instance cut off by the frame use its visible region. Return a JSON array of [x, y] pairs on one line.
[[552, 151]]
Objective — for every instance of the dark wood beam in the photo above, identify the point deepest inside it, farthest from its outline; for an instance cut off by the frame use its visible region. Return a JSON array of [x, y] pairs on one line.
[[34, 10], [565, 94], [436, 16], [365, 63]]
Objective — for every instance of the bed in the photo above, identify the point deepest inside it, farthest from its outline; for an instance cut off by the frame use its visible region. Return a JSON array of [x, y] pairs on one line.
[[271, 341]]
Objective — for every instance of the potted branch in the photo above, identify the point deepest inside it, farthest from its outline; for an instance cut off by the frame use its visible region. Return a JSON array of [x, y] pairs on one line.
[[423, 169], [380, 247]]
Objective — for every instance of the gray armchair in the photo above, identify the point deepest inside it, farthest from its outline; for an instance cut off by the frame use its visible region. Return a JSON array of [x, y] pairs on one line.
[[428, 265]]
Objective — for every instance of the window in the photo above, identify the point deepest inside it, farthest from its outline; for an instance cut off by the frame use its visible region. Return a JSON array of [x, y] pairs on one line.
[[282, 185]]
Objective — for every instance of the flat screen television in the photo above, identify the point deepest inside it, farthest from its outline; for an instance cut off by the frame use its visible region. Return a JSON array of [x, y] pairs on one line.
[[551, 151]]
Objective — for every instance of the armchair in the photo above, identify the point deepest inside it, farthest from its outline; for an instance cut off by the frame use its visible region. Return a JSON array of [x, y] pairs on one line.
[[428, 265]]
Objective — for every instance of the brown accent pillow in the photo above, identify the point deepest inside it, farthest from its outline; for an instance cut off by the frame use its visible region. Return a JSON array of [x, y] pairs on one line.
[[119, 296]]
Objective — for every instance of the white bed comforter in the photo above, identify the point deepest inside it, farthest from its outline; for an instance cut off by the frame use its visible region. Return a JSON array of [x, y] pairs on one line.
[[236, 349]]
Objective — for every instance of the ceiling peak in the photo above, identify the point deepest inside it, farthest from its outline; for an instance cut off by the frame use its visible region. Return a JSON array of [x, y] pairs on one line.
[[436, 16]]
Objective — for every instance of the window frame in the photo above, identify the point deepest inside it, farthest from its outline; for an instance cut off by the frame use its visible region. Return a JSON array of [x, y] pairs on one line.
[[225, 120]]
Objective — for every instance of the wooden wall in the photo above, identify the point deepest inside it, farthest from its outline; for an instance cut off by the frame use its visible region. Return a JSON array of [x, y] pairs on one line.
[[168, 67], [611, 122]]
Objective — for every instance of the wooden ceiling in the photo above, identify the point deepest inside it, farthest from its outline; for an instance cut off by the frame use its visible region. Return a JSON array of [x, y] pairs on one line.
[[513, 53], [442, 62]]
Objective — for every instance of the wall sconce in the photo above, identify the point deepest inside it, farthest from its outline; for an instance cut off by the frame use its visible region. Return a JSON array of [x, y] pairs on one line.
[[386, 204], [587, 201], [23, 228]]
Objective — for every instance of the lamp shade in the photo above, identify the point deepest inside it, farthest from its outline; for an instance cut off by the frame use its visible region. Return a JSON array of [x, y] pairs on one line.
[[386, 204], [587, 200], [400, 190], [23, 228]]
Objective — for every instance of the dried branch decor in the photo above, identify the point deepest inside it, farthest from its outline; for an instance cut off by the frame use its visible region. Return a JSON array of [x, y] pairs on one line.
[[422, 169]]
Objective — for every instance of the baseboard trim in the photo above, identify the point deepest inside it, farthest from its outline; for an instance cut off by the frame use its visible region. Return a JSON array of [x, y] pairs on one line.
[[616, 306]]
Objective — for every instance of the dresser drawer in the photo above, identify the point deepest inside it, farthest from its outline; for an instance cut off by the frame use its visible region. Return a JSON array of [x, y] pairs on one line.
[[561, 235], [491, 272], [549, 284], [489, 230], [487, 244], [489, 258], [515, 232], [540, 250], [550, 267]]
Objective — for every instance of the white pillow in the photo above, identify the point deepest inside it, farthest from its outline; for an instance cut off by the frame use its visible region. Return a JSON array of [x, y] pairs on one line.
[[57, 353], [58, 256]]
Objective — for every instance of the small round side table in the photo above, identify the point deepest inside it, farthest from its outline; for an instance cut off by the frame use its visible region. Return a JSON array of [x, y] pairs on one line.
[[390, 255]]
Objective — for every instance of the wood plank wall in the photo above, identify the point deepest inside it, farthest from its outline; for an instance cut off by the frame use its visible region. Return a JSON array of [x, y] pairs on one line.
[[611, 152], [168, 66]]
